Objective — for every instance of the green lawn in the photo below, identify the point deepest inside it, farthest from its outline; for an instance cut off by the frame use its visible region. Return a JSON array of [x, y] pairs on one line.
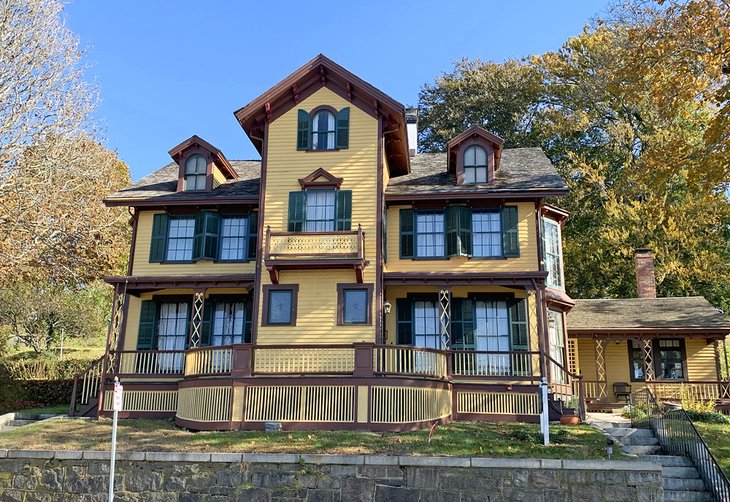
[[456, 439], [51, 410], [717, 437]]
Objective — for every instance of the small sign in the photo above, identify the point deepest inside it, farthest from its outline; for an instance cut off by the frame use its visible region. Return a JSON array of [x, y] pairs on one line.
[[118, 389]]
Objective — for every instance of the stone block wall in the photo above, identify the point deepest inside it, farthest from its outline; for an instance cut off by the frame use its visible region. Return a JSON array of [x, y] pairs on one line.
[[29, 476]]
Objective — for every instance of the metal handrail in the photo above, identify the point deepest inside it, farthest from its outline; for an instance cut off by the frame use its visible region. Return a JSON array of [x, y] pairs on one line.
[[581, 389], [677, 434]]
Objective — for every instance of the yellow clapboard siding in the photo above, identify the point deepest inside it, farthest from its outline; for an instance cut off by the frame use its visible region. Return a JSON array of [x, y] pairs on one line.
[[143, 267], [700, 360], [616, 363], [317, 310], [527, 261], [218, 177]]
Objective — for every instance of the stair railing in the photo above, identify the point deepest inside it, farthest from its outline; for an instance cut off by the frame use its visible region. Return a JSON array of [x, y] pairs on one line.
[[564, 382], [677, 434], [87, 385]]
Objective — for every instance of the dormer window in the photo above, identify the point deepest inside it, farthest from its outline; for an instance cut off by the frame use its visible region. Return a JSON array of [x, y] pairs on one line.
[[196, 168], [475, 165], [324, 128]]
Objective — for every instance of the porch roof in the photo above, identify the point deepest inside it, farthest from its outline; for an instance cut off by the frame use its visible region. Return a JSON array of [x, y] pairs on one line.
[[135, 285], [691, 314]]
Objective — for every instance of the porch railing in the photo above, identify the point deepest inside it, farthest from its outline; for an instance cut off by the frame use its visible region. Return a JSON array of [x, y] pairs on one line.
[[209, 361], [274, 359], [86, 388], [151, 362], [494, 364], [567, 387], [677, 434], [700, 390], [400, 360]]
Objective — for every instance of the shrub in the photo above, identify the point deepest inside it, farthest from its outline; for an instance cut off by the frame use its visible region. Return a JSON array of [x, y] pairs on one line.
[[710, 417], [691, 403]]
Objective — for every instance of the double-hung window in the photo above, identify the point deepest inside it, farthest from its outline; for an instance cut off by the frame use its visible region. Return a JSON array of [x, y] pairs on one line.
[[195, 173], [318, 210], [459, 231], [228, 323], [475, 164], [666, 354], [552, 254], [323, 129], [206, 235], [164, 325], [556, 336]]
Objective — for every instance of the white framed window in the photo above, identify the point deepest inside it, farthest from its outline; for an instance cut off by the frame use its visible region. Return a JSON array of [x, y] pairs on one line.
[[430, 235], [556, 338], [486, 231], [552, 252], [180, 236], [229, 320], [491, 333], [320, 211], [234, 230], [172, 334], [196, 168], [475, 164]]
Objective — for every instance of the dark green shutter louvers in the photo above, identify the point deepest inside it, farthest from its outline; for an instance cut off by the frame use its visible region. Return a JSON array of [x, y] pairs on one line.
[[518, 324], [343, 210], [303, 130], [296, 211], [406, 233], [462, 324], [247, 304], [207, 327], [458, 230], [404, 321], [147, 325], [205, 240], [510, 232], [253, 232], [159, 238], [343, 128]]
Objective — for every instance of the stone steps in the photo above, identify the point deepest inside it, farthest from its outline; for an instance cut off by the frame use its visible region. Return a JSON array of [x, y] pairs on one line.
[[12, 421]]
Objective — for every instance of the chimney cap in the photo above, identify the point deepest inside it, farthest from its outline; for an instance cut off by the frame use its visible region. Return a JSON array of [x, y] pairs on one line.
[[643, 251]]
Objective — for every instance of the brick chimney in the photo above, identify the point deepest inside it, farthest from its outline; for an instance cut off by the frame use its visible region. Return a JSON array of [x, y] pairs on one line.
[[645, 280]]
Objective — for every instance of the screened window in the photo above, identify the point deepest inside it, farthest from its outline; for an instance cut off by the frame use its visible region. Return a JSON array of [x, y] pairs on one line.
[[172, 334], [280, 306], [234, 230], [323, 130], [229, 320], [551, 247], [430, 234], [486, 228], [475, 165], [320, 211], [195, 172], [355, 306], [180, 236], [426, 330], [670, 361]]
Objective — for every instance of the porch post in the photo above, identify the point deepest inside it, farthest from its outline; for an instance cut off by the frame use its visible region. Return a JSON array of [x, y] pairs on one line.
[[601, 381], [196, 321], [119, 305], [724, 351], [445, 315], [542, 345], [647, 350], [718, 366]]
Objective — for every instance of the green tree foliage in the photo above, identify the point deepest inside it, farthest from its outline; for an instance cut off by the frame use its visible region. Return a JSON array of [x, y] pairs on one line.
[[631, 112]]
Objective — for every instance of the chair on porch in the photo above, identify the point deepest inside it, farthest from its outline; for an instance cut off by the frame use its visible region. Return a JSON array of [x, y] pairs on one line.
[[622, 390]]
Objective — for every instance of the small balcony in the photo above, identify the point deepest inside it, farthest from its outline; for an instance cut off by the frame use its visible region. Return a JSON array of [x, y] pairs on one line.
[[307, 250]]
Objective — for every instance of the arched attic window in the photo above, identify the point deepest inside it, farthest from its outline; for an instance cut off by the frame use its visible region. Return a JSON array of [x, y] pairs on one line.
[[196, 167], [475, 165], [323, 130]]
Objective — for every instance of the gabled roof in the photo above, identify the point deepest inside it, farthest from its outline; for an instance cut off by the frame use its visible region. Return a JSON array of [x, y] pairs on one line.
[[689, 313], [322, 178], [525, 173], [323, 72], [219, 159], [475, 130], [160, 188]]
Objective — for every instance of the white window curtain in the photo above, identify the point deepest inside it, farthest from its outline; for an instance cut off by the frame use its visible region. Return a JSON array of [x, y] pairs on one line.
[[556, 336], [172, 334], [320, 212], [491, 333], [323, 131]]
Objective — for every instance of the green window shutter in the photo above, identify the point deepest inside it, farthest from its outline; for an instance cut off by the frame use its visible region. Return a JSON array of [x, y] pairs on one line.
[[208, 308], [205, 241], [404, 321], [247, 303], [303, 130], [146, 335], [296, 211], [343, 209], [407, 234], [253, 232], [518, 324], [343, 128], [510, 233], [199, 236], [458, 230], [159, 238], [462, 324]]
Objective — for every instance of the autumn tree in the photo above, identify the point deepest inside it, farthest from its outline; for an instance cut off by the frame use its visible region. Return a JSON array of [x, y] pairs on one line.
[[633, 130]]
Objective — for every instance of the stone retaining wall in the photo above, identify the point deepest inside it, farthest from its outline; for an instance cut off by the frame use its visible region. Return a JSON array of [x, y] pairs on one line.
[[28, 476]]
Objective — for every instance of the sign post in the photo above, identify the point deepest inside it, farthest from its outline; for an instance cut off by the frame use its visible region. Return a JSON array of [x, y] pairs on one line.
[[116, 407], [545, 415]]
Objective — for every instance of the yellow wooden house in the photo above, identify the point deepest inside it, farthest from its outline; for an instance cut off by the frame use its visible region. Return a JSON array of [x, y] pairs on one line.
[[343, 280]]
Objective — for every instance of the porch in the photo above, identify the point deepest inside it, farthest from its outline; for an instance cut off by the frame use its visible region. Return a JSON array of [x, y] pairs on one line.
[[355, 386]]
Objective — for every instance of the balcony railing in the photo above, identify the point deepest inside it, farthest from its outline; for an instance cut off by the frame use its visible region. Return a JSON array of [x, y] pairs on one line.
[[273, 359], [151, 362], [399, 360], [209, 361], [292, 250], [494, 364]]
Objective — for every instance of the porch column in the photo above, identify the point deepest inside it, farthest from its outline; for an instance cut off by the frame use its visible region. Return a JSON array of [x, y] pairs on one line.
[[647, 350], [543, 340], [445, 315], [724, 351], [119, 307], [196, 320], [601, 381]]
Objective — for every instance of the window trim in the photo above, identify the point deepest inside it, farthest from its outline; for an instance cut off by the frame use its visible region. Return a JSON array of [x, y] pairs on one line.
[[498, 212], [312, 114], [475, 145], [461, 150], [416, 212], [246, 237], [186, 216], [189, 152], [244, 298], [266, 290], [655, 359], [544, 220], [341, 288]]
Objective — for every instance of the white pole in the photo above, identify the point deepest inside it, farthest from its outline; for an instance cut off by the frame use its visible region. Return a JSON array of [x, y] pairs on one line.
[[117, 406], [545, 415]]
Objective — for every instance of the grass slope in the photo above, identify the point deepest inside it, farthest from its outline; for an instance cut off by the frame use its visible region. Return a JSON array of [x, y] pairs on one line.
[[457, 439], [717, 437]]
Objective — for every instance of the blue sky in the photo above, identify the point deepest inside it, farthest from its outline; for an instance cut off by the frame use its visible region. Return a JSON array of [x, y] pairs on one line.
[[170, 69]]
